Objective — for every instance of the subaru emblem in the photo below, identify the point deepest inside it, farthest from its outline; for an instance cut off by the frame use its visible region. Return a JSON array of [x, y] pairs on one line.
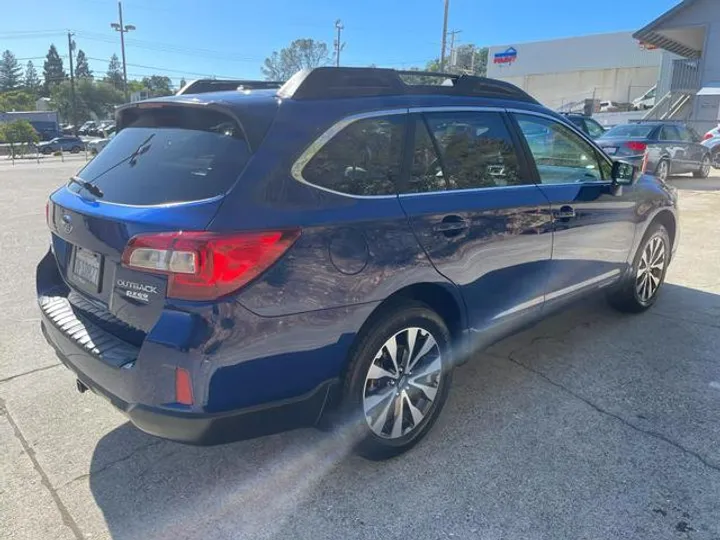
[[67, 223]]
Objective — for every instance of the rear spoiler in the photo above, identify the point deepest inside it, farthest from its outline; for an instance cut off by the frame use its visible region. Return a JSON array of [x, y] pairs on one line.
[[203, 86]]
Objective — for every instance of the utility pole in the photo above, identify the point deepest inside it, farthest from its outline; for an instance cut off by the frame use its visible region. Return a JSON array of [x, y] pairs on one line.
[[123, 29], [444, 36], [73, 110], [338, 44]]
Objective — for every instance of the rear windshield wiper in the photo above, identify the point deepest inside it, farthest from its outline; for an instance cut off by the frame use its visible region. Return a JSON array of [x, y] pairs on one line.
[[91, 188]]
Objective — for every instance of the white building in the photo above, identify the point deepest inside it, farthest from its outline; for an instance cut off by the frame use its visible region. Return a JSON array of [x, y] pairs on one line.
[[614, 67]]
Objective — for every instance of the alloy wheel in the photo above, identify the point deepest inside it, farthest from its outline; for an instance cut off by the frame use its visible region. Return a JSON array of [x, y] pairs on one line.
[[650, 270], [402, 383], [705, 169], [662, 171]]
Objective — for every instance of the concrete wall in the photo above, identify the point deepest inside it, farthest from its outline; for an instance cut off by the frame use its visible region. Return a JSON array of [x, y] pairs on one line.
[[585, 53], [606, 66], [616, 84]]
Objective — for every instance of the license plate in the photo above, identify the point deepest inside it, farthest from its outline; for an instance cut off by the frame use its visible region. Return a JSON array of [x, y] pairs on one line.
[[87, 267], [610, 150]]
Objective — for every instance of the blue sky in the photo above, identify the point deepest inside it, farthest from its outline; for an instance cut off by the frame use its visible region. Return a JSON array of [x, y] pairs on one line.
[[232, 37]]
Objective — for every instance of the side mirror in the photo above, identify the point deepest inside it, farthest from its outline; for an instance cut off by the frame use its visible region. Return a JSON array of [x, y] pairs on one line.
[[624, 174]]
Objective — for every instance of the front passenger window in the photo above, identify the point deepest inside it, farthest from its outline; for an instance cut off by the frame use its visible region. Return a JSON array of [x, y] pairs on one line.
[[561, 156]]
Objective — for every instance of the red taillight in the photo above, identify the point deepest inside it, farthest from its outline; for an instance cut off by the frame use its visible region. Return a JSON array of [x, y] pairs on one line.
[[205, 265], [183, 387], [707, 136], [636, 146], [47, 214]]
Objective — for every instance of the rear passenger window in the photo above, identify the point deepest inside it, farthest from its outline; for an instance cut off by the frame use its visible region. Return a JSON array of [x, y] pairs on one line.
[[363, 159], [476, 151]]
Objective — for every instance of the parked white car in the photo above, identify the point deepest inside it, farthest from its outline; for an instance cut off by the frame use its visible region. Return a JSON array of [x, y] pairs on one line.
[[646, 101], [714, 132], [609, 106], [96, 145]]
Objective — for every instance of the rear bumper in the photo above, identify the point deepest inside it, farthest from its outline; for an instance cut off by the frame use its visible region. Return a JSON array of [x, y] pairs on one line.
[[186, 426]]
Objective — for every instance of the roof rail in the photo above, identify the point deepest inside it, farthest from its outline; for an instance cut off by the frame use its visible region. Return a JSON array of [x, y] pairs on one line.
[[203, 86], [333, 82]]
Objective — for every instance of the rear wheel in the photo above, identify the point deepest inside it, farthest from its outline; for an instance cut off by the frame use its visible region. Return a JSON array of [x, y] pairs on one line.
[[47, 151], [704, 170], [663, 170], [398, 379], [641, 288], [75, 150]]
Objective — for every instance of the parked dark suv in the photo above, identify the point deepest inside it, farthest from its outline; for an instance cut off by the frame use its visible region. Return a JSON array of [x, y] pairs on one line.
[[243, 262]]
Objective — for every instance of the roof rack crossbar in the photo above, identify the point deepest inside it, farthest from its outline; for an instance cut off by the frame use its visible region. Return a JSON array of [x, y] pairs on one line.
[[333, 82]]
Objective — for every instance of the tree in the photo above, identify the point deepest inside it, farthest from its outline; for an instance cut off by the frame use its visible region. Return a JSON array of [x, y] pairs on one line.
[[32, 81], [182, 82], [17, 100], [18, 132], [53, 71], [10, 72], [135, 86], [300, 54], [114, 75], [82, 69], [462, 60], [91, 98], [158, 85]]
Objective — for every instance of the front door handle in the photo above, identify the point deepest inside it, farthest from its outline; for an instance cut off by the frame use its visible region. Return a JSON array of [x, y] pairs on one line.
[[564, 213], [451, 226]]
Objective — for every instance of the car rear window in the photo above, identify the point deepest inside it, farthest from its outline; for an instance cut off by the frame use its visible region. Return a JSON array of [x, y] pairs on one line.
[[169, 154], [630, 131]]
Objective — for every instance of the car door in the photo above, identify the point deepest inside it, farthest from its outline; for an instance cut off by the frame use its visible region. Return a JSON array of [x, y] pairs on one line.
[[674, 148], [694, 151], [593, 221], [480, 218]]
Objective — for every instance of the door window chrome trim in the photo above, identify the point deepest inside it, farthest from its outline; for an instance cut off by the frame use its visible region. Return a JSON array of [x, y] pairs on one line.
[[300, 163], [456, 108], [466, 190]]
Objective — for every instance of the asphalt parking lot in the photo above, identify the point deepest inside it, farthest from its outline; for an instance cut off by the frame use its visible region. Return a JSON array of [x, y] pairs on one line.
[[591, 425]]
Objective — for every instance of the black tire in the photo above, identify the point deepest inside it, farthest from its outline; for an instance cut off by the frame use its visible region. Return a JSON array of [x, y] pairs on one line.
[[75, 150], [704, 170], [716, 159], [663, 174], [627, 298], [399, 316], [47, 151]]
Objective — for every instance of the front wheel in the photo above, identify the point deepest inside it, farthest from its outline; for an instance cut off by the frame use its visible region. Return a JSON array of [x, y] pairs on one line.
[[716, 159], [704, 170], [398, 379], [75, 150], [640, 289]]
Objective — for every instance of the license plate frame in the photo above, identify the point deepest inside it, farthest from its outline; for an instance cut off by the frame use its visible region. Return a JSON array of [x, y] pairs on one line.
[[87, 268]]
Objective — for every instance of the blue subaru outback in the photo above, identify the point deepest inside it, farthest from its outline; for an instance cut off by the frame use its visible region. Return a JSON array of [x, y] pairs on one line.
[[240, 262]]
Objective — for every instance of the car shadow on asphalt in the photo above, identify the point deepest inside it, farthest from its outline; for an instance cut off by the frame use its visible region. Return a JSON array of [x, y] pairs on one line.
[[504, 426]]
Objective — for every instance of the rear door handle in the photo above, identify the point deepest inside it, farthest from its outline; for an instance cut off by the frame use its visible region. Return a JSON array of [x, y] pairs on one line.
[[451, 226], [564, 212]]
